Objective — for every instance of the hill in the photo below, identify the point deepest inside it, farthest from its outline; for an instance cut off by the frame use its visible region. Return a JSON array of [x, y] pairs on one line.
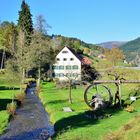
[[77, 44], [131, 50], [111, 44]]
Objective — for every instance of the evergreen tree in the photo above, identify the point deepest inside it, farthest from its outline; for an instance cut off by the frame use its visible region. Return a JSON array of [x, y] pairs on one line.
[[25, 21]]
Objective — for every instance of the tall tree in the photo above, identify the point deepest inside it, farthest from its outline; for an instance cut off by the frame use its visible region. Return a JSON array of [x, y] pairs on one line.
[[114, 55], [40, 54], [22, 57], [41, 25], [8, 34], [25, 21], [19, 63]]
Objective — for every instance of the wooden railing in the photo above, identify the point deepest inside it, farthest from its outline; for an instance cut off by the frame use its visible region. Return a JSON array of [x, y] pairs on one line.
[[118, 83]]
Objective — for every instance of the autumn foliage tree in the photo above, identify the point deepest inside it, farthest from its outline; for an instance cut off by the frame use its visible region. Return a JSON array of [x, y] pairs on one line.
[[114, 55], [8, 34], [86, 50]]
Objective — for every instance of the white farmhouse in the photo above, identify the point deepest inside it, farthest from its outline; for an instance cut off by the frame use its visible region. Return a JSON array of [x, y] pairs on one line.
[[67, 65]]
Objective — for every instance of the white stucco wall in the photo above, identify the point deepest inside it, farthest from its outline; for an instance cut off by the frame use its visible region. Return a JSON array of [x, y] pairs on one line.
[[68, 55]]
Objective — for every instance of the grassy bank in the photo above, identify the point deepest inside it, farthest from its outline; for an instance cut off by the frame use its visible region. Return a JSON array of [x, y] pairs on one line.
[[75, 125], [5, 98], [129, 131], [6, 95], [4, 117]]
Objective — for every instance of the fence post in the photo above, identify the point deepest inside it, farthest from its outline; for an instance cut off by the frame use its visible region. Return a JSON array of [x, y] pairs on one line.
[[119, 86]]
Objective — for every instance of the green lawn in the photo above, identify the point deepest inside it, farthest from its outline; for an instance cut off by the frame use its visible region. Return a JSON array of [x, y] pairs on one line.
[[5, 98], [75, 125], [4, 117], [129, 131], [6, 95]]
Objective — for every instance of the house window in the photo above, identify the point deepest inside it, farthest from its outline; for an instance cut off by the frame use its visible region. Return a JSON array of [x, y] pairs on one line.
[[71, 59], [56, 75], [65, 59], [68, 75], [56, 67], [61, 75], [68, 67], [58, 59], [64, 51], [75, 74], [61, 67], [75, 67]]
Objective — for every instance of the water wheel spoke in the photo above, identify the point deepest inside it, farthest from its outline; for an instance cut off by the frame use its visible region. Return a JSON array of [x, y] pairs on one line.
[[90, 101]]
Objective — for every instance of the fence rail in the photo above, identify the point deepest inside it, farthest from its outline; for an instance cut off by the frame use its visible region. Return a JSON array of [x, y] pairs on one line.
[[116, 81]]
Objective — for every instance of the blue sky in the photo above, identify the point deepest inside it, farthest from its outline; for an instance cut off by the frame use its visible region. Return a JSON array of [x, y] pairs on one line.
[[92, 21]]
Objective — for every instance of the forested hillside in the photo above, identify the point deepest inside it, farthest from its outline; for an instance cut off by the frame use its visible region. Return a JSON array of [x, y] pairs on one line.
[[60, 41], [112, 44], [132, 51]]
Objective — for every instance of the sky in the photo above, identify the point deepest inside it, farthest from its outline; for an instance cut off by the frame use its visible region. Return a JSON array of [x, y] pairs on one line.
[[93, 21]]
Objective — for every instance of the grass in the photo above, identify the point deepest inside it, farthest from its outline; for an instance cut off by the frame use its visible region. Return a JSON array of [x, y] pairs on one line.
[[75, 125], [56, 101], [6, 96], [129, 131], [4, 117]]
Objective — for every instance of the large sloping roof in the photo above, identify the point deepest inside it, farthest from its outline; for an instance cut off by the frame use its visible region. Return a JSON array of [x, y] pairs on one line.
[[77, 55], [84, 60]]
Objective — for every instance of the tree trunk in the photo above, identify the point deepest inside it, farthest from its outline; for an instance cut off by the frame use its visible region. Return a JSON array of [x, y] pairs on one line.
[[13, 95], [22, 79], [113, 64], [2, 61], [70, 98], [50, 72]]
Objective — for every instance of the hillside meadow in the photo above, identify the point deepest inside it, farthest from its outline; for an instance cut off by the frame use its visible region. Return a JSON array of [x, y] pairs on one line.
[[76, 124]]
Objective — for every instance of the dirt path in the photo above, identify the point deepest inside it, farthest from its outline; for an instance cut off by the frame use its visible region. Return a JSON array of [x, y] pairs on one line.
[[30, 122]]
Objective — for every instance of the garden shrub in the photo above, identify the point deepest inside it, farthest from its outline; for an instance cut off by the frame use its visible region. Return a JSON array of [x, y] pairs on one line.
[[62, 84], [11, 108], [38, 90], [130, 109], [48, 79], [20, 97], [55, 80], [2, 71]]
